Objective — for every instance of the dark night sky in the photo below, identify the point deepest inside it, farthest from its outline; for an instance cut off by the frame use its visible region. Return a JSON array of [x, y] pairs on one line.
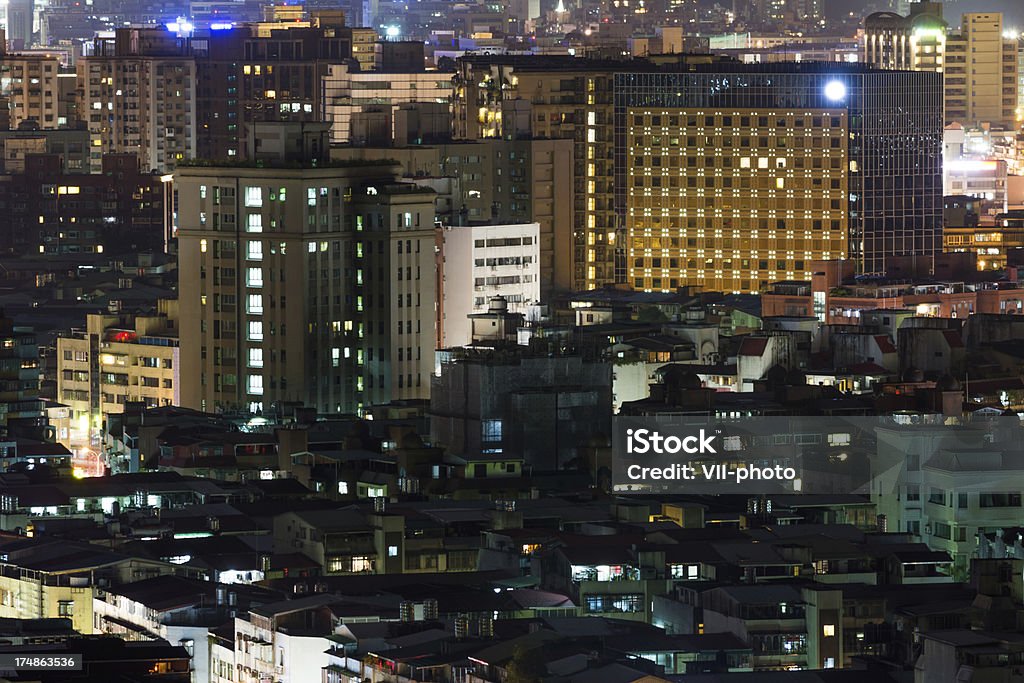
[[1013, 10]]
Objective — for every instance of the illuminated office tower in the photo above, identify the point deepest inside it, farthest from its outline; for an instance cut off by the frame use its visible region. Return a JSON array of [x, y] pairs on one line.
[[733, 177], [512, 96]]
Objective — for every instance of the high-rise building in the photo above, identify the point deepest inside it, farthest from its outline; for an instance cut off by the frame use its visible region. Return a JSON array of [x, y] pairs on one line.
[[1020, 80], [734, 176], [21, 23], [916, 42], [269, 73], [498, 181], [982, 72], [114, 360], [981, 63], [349, 94], [510, 97], [304, 281], [137, 92], [28, 83], [480, 262], [721, 130]]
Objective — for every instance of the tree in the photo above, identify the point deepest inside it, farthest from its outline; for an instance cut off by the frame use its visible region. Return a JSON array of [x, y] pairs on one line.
[[526, 666], [651, 314]]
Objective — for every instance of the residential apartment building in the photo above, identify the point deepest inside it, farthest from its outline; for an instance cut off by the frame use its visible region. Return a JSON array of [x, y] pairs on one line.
[[479, 263], [114, 360], [982, 72], [312, 282], [916, 42], [71, 146], [137, 91], [350, 95], [267, 72], [28, 83], [497, 181], [52, 211], [508, 97]]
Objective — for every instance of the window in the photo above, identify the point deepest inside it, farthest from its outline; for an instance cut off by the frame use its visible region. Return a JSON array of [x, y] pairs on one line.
[[490, 430], [999, 500], [255, 330], [631, 602], [66, 608], [255, 304], [392, 551], [255, 277], [255, 384], [254, 223], [255, 250], [828, 630], [254, 196], [255, 358]]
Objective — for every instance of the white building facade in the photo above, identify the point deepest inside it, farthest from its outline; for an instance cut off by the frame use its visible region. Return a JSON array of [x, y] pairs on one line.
[[479, 262]]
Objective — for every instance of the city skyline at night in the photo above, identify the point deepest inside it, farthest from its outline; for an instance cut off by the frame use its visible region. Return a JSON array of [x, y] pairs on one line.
[[533, 341]]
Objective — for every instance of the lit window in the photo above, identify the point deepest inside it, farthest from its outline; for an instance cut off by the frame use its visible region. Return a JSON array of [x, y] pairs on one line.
[[202, 246], [255, 277], [256, 384], [256, 330], [255, 250], [828, 630], [254, 222], [255, 358], [255, 304], [254, 196]]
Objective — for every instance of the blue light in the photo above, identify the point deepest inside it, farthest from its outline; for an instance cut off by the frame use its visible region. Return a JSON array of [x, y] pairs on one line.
[[835, 90], [223, 26]]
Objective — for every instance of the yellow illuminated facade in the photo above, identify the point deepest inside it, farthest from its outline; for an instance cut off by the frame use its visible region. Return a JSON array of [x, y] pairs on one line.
[[115, 360], [990, 242], [733, 200]]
